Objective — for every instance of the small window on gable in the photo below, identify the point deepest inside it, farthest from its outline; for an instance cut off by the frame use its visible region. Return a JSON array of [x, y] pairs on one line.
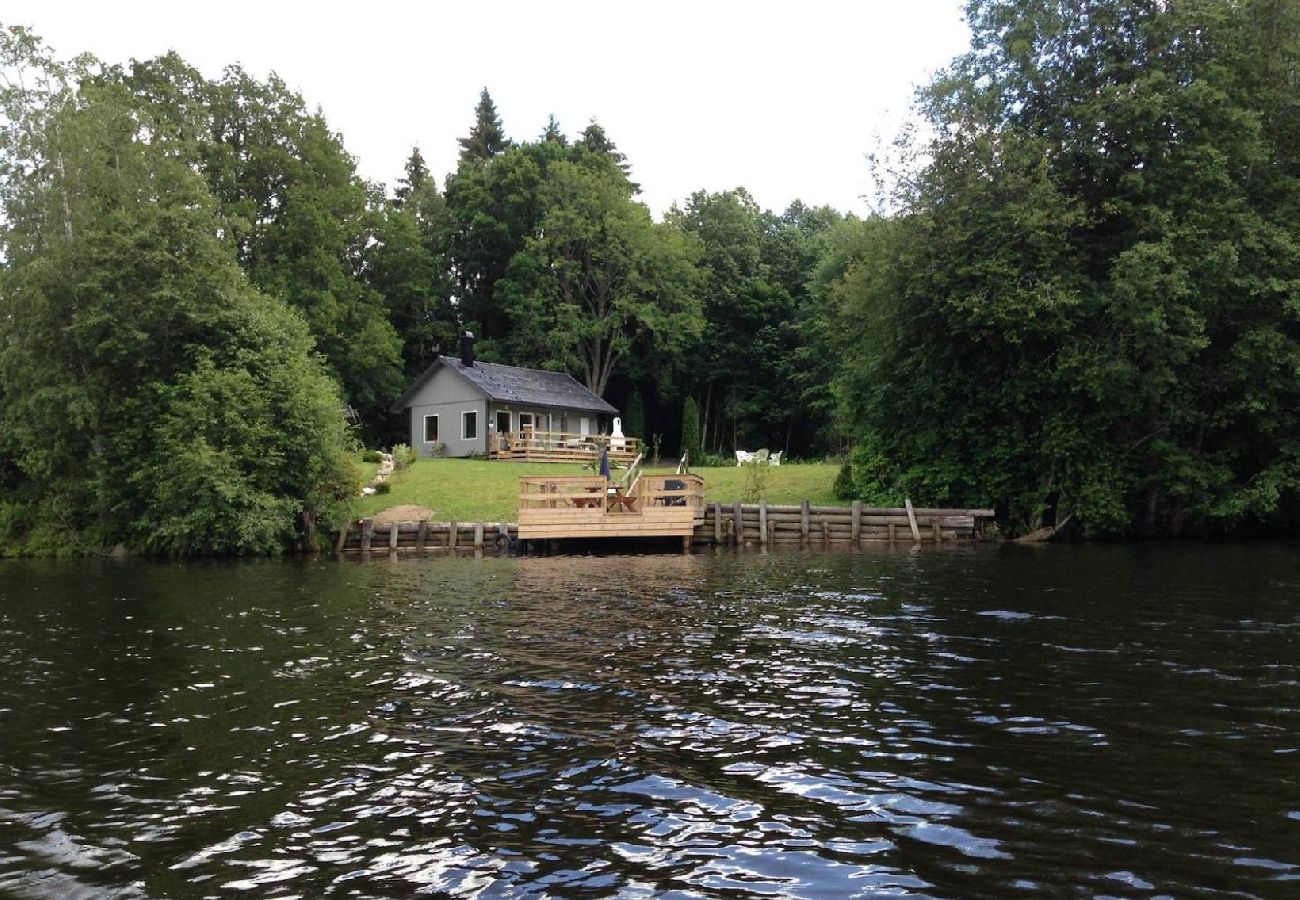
[[469, 425], [431, 429]]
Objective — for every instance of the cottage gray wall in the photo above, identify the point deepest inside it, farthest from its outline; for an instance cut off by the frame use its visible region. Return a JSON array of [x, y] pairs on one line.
[[447, 395]]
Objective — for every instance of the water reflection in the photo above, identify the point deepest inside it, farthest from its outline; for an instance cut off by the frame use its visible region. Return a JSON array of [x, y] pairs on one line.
[[1111, 720]]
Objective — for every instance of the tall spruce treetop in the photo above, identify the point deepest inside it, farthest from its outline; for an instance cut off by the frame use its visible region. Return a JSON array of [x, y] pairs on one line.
[[553, 133], [597, 141], [416, 177], [487, 138]]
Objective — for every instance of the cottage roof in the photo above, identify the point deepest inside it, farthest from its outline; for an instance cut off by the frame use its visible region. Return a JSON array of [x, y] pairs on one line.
[[513, 384]]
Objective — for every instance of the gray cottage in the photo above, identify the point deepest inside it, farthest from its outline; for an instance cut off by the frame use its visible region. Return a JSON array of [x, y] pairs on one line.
[[462, 407]]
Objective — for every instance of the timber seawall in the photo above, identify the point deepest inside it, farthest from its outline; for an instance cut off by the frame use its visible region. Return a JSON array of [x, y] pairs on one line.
[[736, 524]]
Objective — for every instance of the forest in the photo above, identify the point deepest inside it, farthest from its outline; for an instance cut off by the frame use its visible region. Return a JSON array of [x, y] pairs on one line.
[[1078, 298]]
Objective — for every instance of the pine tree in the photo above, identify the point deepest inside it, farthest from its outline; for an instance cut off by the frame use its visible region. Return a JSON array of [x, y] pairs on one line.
[[487, 138], [417, 176], [553, 132], [597, 141]]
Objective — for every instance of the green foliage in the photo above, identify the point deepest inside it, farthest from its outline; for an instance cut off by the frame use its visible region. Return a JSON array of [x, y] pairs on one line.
[[149, 395], [371, 456], [487, 138], [290, 202], [383, 487], [756, 477], [844, 488], [1089, 307], [403, 455], [690, 445], [634, 415]]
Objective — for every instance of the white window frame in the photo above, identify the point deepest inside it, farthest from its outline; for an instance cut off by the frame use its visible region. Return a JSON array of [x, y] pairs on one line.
[[463, 414], [436, 432], [584, 425]]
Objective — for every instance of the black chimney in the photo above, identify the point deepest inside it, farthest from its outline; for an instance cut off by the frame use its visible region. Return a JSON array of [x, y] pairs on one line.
[[467, 349]]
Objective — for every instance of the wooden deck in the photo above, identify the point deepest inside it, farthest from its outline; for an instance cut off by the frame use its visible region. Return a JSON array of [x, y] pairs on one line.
[[561, 446], [587, 507]]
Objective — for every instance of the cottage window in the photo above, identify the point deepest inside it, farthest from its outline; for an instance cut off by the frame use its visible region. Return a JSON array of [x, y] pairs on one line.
[[469, 425], [431, 429]]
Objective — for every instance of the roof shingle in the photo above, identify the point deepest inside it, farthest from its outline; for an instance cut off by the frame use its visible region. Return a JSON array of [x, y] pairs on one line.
[[513, 384]]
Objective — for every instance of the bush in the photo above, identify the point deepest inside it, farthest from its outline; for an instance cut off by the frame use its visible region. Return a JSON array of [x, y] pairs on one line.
[[383, 487], [844, 489], [403, 455], [755, 481], [371, 456]]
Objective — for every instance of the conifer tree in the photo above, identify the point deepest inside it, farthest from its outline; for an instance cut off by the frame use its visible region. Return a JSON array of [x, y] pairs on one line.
[[487, 138], [553, 133], [416, 177]]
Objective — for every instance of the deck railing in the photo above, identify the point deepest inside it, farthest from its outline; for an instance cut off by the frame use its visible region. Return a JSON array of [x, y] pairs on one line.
[[561, 445], [594, 497]]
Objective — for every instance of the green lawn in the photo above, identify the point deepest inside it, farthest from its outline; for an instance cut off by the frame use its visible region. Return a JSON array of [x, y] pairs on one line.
[[470, 490]]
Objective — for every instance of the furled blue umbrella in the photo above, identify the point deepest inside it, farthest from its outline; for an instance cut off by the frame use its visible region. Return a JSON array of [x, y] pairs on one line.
[[604, 463]]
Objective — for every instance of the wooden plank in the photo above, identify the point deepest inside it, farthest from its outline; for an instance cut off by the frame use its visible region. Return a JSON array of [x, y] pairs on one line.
[[478, 535], [911, 519], [367, 528], [804, 513]]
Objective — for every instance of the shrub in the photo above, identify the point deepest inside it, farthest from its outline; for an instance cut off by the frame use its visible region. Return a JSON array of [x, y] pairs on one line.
[[383, 487], [371, 456], [691, 432], [755, 481], [844, 489], [403, 455]]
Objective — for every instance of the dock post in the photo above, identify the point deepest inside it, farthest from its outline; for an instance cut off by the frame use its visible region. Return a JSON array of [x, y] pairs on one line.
[[367, 527], [343, 537], [478, 535], [911, 519], [686, 544], [452, 533], [890, 526], [717, 523], [392, 536], [826, 533], [740, 524], [855, 529], [503, 535], [762, 522], [938, 533], [423, 534], [803, 522]]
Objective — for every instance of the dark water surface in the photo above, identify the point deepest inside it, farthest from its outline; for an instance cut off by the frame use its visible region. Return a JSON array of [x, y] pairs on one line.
[[956, 722]]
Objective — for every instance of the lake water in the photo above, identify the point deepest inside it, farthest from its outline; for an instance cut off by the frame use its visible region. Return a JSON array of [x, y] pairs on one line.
[[954, 722]]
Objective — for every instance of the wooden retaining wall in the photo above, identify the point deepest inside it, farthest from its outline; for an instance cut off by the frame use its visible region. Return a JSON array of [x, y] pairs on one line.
[[366, 537], [760, 524], [764, 523]]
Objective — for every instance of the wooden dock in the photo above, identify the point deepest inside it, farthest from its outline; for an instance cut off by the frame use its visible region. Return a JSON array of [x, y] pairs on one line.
[[592, 507]]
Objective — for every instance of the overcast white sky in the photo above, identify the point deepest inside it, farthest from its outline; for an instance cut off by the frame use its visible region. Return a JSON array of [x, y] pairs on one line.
[[785, 99]]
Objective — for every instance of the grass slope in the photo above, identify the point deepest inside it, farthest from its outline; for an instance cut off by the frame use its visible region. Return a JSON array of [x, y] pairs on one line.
[[473, 490]]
